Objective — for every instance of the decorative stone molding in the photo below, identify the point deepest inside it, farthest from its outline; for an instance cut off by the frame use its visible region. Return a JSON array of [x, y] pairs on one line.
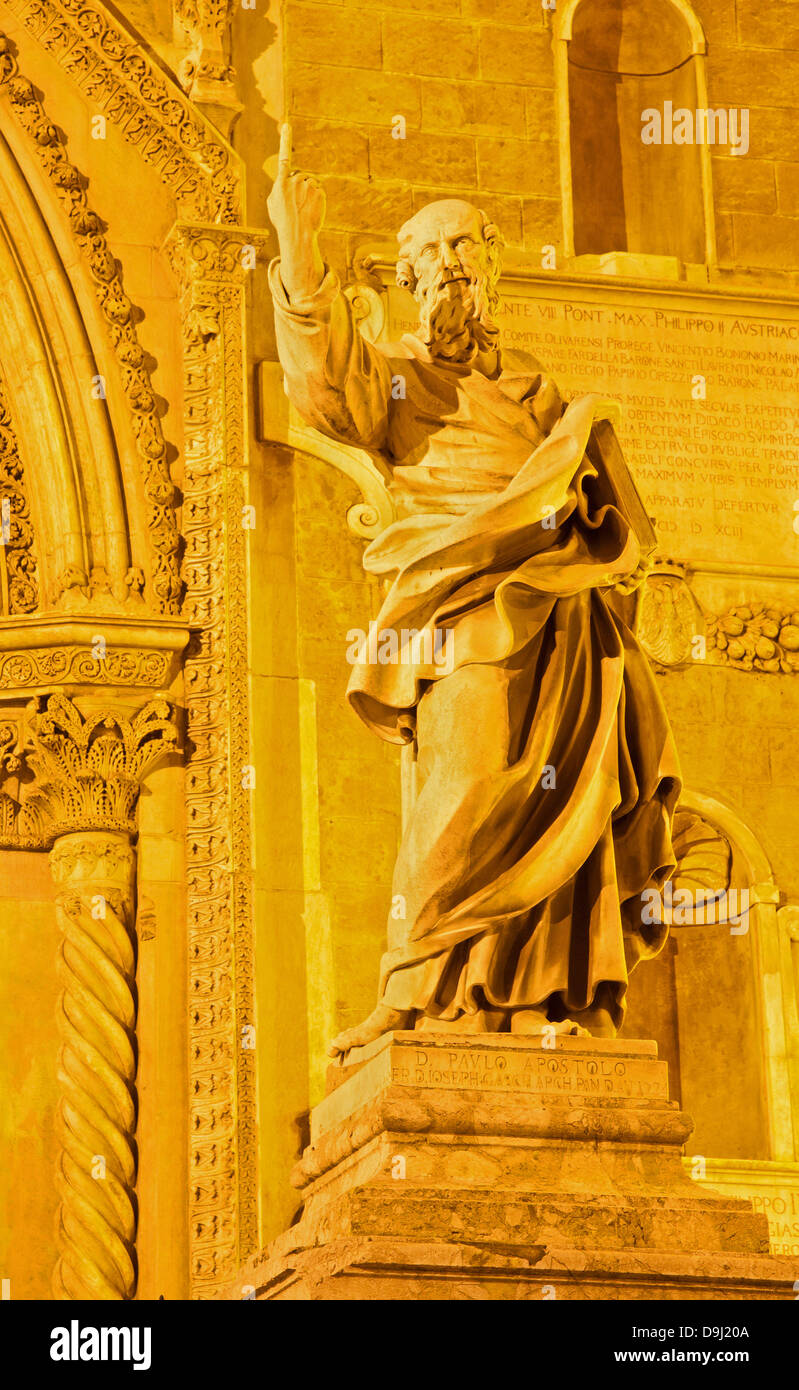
[[138, 96], [118, 313], [206, 256], [19, 588], [223, 1225], [206, 73], [38, 652], [77, 666]]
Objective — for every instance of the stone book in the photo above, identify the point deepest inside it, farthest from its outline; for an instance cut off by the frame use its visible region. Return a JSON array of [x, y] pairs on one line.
[[615, 484]]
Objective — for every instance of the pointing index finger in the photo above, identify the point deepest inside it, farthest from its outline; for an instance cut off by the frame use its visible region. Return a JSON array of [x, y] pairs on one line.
[[284, 156]]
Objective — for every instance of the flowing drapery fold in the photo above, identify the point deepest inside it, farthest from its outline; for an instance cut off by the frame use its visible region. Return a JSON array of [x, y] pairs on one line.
[[548, 775]]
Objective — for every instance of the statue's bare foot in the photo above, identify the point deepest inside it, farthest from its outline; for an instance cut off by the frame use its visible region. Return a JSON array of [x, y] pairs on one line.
[[535, 1023], [382, 1020]]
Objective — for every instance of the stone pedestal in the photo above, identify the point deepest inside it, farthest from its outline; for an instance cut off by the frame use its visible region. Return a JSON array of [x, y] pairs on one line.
[[497, 1166]]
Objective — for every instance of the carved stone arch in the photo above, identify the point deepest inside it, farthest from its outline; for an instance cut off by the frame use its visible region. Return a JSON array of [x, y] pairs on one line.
[[777, 1020], [136, 93], [86, 417], [49, 365], [564, 22]]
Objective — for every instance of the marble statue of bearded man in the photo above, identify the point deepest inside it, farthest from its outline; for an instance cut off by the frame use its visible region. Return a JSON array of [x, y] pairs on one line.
[[547, 776]]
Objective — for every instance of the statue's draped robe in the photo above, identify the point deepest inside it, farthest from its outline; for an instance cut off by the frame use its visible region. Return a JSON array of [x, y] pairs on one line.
[[547, 772]]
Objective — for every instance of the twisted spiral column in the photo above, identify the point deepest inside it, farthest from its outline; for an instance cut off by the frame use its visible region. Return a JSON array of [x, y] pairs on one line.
[[96, 1118]]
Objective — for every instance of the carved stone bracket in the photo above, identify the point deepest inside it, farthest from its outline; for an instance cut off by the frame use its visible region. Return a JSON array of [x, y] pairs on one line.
[[279, 423]]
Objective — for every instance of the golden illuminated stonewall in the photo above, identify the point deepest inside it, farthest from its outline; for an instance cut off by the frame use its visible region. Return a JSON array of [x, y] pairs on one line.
[[541, 816]]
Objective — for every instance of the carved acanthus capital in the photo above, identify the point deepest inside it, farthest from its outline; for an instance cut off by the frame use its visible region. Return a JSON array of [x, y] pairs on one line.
[[214, 255], [87, 770]]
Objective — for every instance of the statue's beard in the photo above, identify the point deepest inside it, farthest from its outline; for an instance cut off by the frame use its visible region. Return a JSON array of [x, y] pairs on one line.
[[455, 322]]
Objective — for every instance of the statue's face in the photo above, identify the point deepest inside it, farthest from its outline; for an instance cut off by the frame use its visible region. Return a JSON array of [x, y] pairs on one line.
[[447, 252], [446, 249]]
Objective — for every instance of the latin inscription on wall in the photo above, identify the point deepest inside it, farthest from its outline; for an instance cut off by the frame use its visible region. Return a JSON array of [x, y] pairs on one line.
[[709, 386]]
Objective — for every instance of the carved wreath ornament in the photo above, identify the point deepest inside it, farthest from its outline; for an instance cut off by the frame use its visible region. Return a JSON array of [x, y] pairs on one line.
[[757, 639]]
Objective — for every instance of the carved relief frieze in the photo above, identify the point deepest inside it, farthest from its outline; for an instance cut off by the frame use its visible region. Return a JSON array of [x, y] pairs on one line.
[[213, 269], [19, 585], [756, 638], [76, 665], [149, 108], [117, 310]]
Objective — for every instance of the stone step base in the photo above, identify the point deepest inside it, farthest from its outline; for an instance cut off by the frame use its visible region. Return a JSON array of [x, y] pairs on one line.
[[517, 1219], [380, 1269], [498, 1167]]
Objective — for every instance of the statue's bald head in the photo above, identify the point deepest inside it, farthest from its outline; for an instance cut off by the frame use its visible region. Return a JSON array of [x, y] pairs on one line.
[[450, 220], [449, 258]]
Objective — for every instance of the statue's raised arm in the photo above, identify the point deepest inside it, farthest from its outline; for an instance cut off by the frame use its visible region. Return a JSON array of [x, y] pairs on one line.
[[337, 382], [297, 209]]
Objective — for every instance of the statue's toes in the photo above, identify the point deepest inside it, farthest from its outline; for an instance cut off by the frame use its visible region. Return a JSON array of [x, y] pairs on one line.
[[575, 1030], [341, 1044]]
